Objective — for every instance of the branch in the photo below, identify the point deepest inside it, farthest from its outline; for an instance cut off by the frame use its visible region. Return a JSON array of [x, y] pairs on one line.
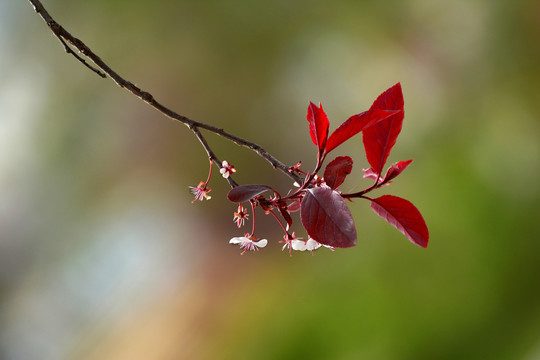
[[211, 154], [104, 70]]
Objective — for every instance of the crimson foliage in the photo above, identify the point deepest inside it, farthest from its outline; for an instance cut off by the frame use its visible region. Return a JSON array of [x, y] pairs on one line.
[[354, 125], [380, 138], [323, 211], [318, 126], [337, 170], [404, 216]]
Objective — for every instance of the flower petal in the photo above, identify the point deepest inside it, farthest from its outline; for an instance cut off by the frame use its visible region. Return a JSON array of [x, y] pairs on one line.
[[298, 245], [312, 245], [238, 240], [261, 243]]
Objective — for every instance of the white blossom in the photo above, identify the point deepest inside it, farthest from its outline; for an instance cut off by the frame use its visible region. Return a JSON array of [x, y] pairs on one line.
[[249, 243], [226, 169], [309, 245]]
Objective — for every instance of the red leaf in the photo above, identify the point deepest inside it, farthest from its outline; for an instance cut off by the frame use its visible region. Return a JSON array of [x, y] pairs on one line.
[[354, 125], [337, 170], [404, 216], [327, 218], [246, 192], [318, 125], [381, 137], [391, 99], [395, 170]]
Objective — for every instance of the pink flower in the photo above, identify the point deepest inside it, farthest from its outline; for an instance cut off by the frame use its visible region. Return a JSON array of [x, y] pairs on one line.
[[250, 243], [240, 216], [226, 169], [200, 192]]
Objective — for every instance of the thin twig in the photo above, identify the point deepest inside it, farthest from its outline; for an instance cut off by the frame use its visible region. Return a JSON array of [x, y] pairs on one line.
[[211, 154], [64, 36], [70, 51]]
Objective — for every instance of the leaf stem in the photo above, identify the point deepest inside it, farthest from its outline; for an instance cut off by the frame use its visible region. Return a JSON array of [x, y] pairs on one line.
[[253, 214], [360, 194], [280, 223]]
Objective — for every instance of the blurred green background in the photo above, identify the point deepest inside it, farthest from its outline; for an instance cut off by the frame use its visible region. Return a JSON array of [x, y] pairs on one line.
[[102, 255]]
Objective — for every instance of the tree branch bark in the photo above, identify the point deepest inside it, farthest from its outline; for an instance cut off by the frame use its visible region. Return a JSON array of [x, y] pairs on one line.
[[103, 70]]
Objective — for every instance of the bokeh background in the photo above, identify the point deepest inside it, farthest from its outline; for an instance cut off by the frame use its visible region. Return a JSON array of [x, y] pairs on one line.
[[103, 256]]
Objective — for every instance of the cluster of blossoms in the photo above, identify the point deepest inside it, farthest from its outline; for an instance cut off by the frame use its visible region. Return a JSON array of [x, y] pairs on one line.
[[249, 242], [323, 211]]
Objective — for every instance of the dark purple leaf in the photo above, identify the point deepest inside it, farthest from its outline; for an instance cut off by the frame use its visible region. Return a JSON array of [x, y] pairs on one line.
[[246, 192], [404, 216], [318, 125], [294, 206], [337, 170], [354, 125], [381, 137], [286, 215], [327, 218]]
